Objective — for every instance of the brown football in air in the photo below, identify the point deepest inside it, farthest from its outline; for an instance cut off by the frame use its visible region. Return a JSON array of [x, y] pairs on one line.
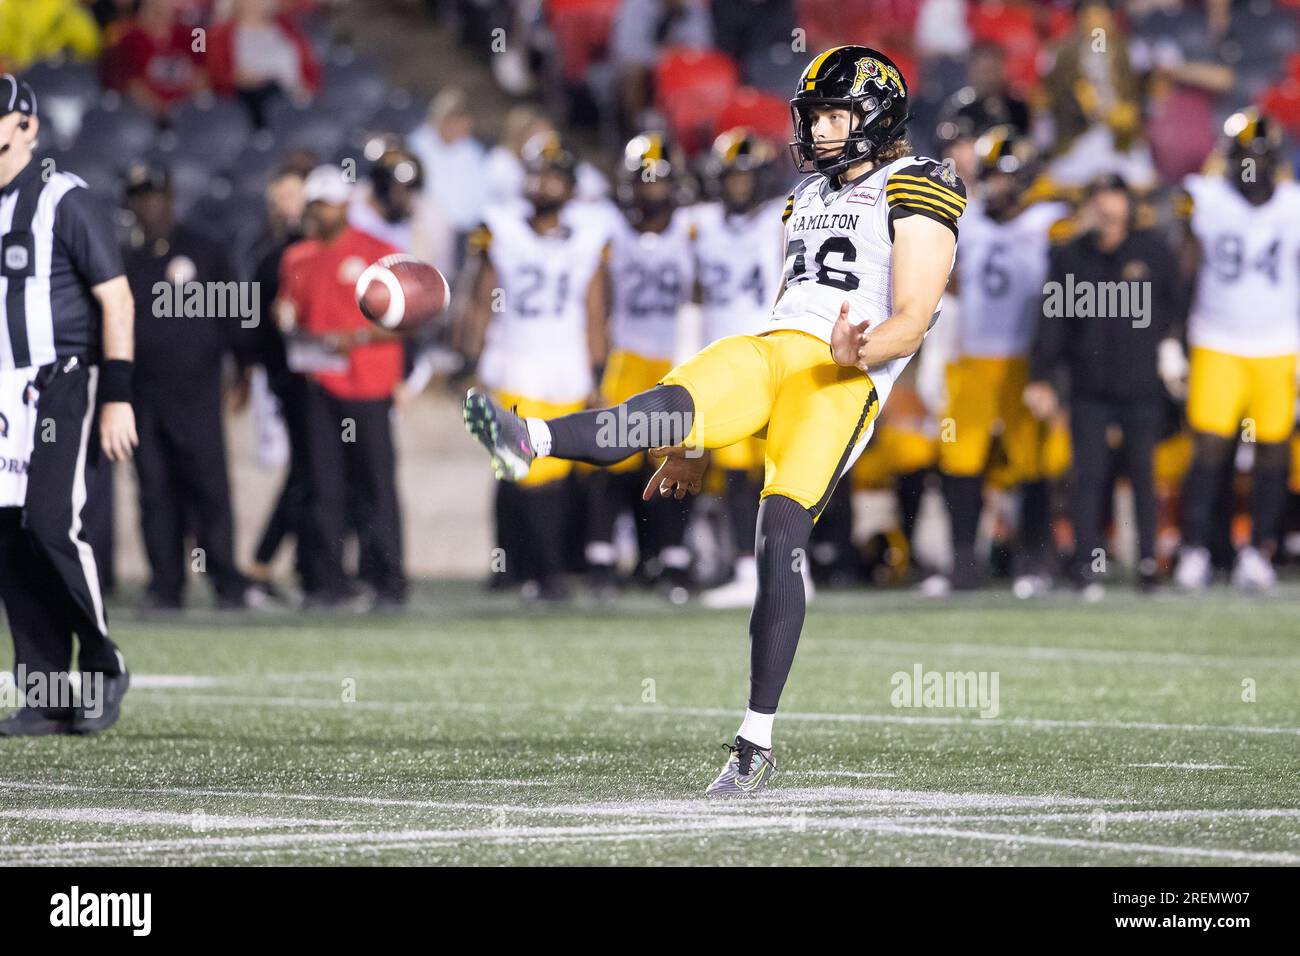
[[401, 293]]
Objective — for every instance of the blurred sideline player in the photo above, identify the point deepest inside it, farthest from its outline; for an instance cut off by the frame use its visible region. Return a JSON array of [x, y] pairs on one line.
[[651, 273], [1001, 269], [535, 323], [1242, 246], [738, 251], [870, 242]]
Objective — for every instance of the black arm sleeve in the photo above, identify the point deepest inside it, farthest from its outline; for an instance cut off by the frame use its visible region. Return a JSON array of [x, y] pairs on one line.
[[1050, 338], [1169, 301], [85, 228]]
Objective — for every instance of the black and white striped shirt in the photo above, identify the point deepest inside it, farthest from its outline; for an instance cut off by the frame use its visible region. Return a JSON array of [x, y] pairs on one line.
[[56, 243]]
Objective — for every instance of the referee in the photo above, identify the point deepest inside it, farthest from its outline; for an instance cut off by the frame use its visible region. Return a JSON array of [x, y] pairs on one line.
[[66, 320]]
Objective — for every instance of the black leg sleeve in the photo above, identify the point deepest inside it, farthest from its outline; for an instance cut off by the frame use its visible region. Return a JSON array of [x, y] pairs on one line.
[[1142, 422], [784, 529], [1272, 461], [1202, 485], [603, 436], [741, 498]]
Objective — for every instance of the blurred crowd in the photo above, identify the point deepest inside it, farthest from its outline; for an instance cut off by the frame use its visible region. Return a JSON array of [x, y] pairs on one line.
[[218, 127]]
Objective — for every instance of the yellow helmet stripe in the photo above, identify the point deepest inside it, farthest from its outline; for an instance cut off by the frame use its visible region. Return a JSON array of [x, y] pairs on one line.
[[733, 148], [817, 65], [655, 151]]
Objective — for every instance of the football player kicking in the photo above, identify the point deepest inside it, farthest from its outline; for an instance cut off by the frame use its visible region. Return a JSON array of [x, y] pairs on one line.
[[870, 241]]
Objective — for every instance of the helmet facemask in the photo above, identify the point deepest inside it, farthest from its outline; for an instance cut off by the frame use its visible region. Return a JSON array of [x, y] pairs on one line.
[[865, 139]]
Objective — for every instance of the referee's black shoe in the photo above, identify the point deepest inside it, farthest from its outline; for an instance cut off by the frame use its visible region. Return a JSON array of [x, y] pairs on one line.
[[106, 709], [36, 722]]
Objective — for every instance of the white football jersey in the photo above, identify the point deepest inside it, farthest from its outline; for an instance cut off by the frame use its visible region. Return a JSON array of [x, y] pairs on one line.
[[536, 345], [652, 274], [1248, 287], [839, 247], [739, 262], [1002, 268]]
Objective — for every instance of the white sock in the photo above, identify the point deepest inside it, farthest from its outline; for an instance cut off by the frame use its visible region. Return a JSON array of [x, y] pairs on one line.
[[539, 436], [757, 729]]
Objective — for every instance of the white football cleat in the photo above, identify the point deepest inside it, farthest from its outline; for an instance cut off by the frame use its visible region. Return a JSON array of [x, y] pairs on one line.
[[739, 592], [935, 586], [1193, 570], [1030, 586], [1253, 571]]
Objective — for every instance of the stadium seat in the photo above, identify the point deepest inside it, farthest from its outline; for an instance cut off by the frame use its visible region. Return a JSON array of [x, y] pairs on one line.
[[774, 70], [54, 80], [214, 131], [315, 127], [353, 89], [400, 113], [765, 114], [114, 128], [251, 169], [692, 87]]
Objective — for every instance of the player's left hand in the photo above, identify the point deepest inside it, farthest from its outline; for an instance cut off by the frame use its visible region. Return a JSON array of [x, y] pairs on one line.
[[117, 430], [848, 339], [680, 473]]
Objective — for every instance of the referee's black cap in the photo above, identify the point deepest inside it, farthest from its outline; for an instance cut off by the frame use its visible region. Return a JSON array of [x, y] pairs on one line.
[[16, 96], [145, 177]]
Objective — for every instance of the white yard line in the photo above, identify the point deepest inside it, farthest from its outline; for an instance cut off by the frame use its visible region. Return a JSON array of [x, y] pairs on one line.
[[116, 816], [780, 812], [1036, 723], [1189, 766], [95, 851], [1033, 723], [922, 649]]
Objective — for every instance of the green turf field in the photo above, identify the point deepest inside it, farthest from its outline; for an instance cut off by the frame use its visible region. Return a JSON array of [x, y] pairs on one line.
[[467, 732]]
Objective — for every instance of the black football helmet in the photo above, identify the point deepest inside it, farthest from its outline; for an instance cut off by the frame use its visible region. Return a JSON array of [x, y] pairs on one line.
[[649, 176], [1002, 150], [1254, 153], [741, 150], [858, 79], [547, 152], [1007, 164]]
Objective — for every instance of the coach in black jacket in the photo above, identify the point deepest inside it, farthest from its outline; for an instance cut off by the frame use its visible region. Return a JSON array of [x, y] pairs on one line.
[[1111, 296]]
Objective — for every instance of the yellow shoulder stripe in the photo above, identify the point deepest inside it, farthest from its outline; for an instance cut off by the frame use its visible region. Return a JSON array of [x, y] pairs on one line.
[[902, 194], [952, 194], [925, 203]]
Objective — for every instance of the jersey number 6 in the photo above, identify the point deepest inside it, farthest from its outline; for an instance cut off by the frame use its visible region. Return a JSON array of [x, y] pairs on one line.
[[837, 278]]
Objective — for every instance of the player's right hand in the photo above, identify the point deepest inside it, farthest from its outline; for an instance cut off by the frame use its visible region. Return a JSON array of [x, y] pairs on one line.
[[680, 473], [847, 339]]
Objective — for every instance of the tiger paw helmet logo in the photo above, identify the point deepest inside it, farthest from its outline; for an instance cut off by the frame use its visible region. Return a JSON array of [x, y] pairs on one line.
[[881, 74]]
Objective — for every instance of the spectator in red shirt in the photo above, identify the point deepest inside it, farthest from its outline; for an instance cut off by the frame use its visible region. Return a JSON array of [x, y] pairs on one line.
[[154, 62], [353, 369], [260, 55]]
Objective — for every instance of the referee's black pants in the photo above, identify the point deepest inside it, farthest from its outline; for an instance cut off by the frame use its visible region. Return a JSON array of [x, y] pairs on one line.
[[351, 460], [181, 466], [1141, 421], [49, 580]]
